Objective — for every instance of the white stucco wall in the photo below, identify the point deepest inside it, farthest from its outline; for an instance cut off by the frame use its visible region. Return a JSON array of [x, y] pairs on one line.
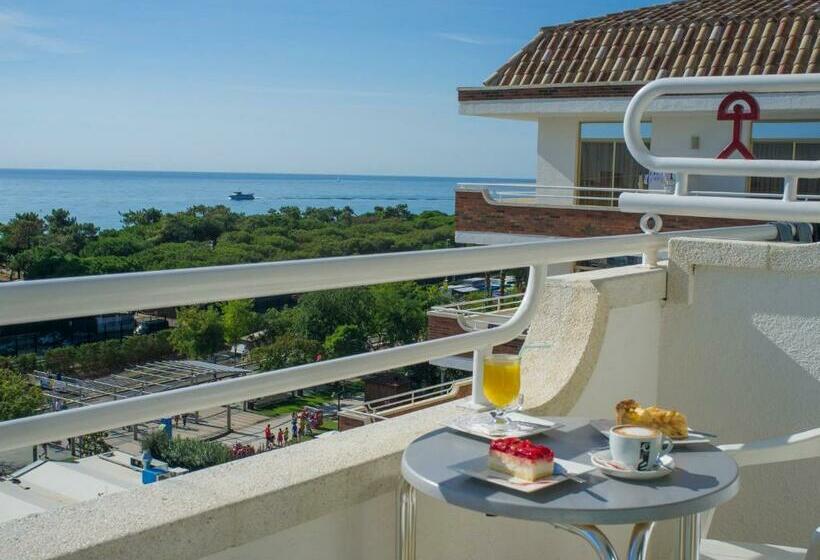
[[627, 367], [671, 136], [743, 360], [558, 138], [557, 146]]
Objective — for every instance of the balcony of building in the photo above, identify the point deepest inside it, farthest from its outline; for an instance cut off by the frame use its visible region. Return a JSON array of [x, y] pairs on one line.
[[693, 332]]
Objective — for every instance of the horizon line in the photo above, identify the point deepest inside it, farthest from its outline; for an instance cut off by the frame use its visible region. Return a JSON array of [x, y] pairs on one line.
[[170, 172]]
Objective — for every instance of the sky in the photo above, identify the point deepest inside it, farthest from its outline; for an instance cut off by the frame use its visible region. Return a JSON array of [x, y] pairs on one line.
[[265, 86]]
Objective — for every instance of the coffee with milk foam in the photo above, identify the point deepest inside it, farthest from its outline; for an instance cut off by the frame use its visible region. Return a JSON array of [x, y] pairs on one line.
[[639, 432]]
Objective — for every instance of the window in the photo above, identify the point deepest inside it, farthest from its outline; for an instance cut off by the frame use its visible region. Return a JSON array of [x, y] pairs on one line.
[[605, 162], [785, 140]]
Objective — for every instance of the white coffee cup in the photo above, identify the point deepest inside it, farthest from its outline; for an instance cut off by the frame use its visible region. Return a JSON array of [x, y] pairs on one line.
[[638, 447]]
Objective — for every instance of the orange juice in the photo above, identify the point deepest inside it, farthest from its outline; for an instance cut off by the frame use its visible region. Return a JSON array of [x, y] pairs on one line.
[[502, 379]]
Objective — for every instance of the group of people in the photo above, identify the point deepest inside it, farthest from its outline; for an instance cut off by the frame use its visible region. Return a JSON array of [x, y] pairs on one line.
[[301, 423]]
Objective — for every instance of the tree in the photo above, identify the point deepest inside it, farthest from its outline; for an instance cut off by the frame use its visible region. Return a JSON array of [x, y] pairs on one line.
[[145, 217], [287, 351], [319, 313], [199, 332], [346, 340], [400, 311], [18, 397], [238, 319]]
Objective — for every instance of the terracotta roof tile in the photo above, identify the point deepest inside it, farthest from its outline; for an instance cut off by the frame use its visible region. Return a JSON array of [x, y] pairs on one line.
[[687, 38]]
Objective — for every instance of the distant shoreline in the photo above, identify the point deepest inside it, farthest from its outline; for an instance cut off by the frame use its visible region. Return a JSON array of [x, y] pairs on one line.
[[100, 196]]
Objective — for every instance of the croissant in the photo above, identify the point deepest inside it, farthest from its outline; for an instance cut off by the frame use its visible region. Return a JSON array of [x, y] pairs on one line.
[[670, 422]]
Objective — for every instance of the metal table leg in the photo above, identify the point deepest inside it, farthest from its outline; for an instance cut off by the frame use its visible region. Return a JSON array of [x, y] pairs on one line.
[[689, 537], [406, 522], [594, 536], [639, 541]]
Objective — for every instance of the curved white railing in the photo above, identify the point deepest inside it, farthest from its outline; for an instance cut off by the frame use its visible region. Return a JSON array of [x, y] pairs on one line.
[[38, 300], [723, 84], [681, 203]]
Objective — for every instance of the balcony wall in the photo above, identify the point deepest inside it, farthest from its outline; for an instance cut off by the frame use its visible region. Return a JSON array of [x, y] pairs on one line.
[[476, 213], [738, 363]]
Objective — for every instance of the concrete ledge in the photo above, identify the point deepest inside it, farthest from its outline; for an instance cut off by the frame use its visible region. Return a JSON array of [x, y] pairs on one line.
[[687, 253], [572, 319], [211, 510]]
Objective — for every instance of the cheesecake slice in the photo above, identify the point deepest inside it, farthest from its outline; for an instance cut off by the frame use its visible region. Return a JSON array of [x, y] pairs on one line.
[[521, 458]]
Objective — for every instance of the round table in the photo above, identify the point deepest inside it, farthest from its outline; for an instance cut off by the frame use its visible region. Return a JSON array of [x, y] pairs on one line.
[[704, 478]]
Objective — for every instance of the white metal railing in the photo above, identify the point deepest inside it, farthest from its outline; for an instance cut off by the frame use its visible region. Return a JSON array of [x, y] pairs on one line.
[[409, 397], [39, 300], [788, 208], [592, 198]]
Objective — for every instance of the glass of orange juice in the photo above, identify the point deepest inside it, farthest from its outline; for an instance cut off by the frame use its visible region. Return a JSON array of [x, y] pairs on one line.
[[502, 383]]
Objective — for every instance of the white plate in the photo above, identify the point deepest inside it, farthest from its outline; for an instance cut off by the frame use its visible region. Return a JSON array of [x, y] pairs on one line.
[[603, 460], [532, 425], [603, 426], [477, 468]]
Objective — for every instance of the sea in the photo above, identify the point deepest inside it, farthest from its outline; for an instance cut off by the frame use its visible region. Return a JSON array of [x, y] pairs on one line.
[[100, 196]]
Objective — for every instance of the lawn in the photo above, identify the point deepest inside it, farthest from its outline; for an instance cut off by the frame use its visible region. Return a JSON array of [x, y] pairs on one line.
[[296, 404]]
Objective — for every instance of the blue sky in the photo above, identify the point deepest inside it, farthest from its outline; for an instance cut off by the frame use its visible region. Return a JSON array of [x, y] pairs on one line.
[[277, 86]]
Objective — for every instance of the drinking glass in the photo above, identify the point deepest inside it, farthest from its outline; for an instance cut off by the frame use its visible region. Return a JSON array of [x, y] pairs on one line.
[[502, 384]]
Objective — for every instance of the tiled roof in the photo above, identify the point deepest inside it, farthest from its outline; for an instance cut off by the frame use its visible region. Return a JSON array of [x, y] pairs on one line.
[[688, 38]]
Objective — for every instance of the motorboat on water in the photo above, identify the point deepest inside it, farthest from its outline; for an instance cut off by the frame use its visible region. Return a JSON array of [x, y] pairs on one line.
[[239, 195]]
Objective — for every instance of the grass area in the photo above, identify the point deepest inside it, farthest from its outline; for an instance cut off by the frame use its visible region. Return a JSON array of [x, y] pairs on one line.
[[330, 425], [295, 404]]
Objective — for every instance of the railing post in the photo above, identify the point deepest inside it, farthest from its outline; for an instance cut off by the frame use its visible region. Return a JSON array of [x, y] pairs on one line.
[[478, 401], [681, 184], [790, 188]]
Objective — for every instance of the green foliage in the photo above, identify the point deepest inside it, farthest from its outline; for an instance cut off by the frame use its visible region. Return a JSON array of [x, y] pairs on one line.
[[319, 313], [96, 359], [199, 332], [93, 444], [400, 311], [191, 454], [238, 319], [287, 351], [18, 397], [346, 340], [206, 236]]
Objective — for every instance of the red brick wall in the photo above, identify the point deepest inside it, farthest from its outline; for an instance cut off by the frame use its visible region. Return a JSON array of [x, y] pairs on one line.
[[440, 327], [473, 213]]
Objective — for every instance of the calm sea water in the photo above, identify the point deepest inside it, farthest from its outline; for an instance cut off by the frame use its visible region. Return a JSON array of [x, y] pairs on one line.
[[99, 196]]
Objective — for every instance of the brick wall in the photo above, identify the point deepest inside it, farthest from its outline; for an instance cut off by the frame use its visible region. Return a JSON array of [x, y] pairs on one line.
[[440, 327], [473, 213]]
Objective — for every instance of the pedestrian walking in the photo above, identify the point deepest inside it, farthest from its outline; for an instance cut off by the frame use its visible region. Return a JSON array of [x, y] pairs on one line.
[[280, 438], [294, 428], [268, 437]]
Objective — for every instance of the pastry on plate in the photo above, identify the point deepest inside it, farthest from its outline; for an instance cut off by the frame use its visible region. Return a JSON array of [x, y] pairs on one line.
[[669, 421], [521, 458]]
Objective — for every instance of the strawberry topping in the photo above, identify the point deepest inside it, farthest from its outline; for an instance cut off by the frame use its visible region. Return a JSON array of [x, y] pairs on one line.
[[522, 448]]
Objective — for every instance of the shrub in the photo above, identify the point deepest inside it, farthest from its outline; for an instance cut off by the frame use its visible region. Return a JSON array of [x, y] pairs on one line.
[[191, 454]]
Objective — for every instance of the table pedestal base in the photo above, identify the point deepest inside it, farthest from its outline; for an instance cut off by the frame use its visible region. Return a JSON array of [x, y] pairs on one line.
[[406, 522], [689, 537], [638, 541]]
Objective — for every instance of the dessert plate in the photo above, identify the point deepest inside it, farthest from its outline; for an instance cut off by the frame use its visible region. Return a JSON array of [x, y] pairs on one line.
[[563, 470], [603, 460], [603, 425], [525, 426]]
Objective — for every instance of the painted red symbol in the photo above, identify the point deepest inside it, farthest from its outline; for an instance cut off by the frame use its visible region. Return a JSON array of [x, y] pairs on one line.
[[732, 109]]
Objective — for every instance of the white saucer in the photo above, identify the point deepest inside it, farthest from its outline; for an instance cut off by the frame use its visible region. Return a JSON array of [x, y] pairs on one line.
[[603, 460]]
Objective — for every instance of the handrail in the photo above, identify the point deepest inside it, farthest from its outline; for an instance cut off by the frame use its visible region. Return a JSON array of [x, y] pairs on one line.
[[62, 298], [641, 101]]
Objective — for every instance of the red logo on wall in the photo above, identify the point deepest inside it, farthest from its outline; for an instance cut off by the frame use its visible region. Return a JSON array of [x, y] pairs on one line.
[[738, 106]]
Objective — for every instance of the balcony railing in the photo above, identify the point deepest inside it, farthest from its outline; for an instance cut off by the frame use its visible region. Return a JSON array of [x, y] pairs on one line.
[[42, 300], [480, 313], [591, 198]]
